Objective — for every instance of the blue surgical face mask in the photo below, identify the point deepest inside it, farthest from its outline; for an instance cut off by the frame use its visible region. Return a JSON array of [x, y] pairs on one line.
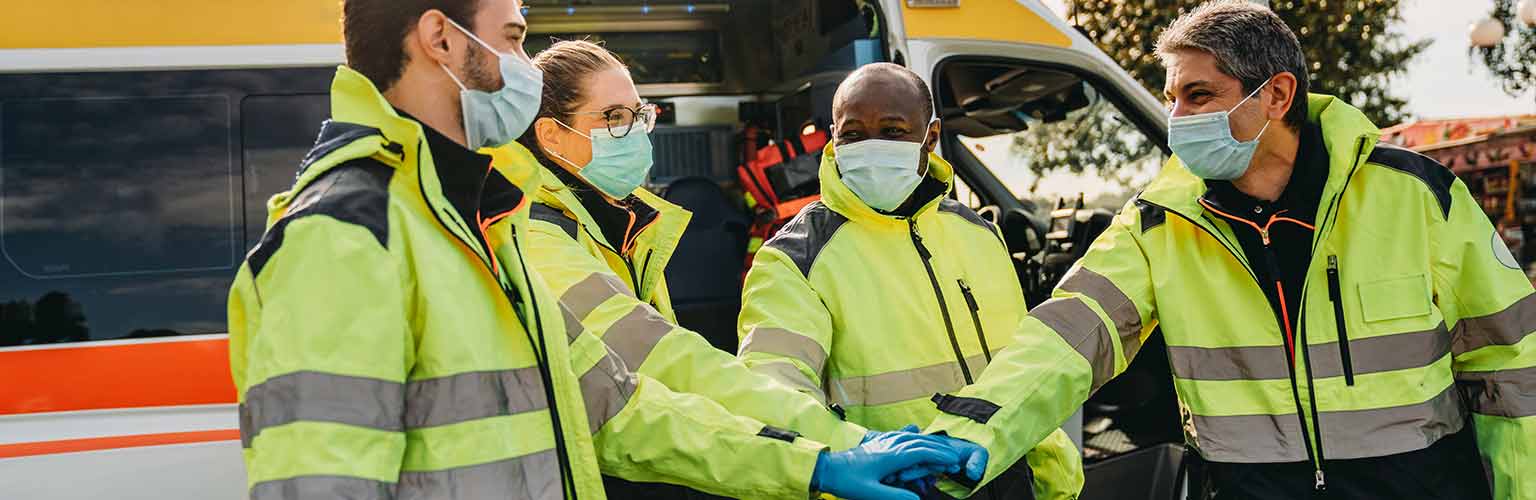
[[1205, 144], [881, 172], [619, 165], [495, 118]]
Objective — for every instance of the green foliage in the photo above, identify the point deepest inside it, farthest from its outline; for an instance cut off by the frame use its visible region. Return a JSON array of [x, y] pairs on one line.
[[1352, 53]]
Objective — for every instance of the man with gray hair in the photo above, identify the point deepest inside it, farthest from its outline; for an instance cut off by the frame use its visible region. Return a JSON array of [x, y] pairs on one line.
[[1342, 320]]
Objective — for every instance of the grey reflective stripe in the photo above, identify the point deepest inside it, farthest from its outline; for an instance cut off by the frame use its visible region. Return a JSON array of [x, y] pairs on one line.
[[308, 487], [1505, 327], [605, 388], [786, 372], [785, 343], [633, 336], [1113, 302], [1347, 434], [902, 385], [471, 396], [321, 397], [1369, 355], [529, 477], [573, 326], [1504, 393], [1077, 324], [584, 297]]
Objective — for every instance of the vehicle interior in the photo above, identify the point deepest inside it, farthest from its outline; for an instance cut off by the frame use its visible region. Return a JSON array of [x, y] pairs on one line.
[[1024, 136], [1046, 150]]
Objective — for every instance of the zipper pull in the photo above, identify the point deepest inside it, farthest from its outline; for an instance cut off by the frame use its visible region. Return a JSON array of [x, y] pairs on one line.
[[970, 298], [917, 240], [1320, 483], [1333, 265]]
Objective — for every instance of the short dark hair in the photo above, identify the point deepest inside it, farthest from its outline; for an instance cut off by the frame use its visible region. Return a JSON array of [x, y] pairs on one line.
[[918, 85], [1250, 43], [374, 32]]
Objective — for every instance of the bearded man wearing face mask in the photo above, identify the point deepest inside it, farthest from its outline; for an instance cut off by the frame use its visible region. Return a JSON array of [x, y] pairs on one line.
[[387, 339], [1342, 320], [887, 291]]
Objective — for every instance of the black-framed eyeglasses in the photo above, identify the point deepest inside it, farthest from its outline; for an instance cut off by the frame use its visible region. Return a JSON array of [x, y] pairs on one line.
[[621, 120]]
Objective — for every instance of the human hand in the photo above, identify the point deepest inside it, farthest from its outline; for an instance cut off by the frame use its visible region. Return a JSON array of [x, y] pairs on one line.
[[864, 472]]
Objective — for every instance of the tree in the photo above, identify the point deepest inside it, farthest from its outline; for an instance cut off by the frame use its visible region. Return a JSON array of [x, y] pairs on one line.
[[1513, 61], [1352, 53], [1347, 44]]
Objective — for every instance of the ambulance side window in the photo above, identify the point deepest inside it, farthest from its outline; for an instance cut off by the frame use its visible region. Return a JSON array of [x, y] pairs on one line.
[[125, 196], [277, 131]]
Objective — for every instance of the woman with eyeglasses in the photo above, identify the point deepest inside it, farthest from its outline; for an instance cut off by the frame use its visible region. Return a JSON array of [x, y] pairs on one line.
[[601, 243]]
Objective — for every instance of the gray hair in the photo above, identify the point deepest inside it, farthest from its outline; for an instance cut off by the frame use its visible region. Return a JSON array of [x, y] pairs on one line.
[[1250, 43]]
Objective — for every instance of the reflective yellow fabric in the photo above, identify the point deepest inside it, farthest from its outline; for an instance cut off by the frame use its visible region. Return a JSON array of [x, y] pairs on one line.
[[368, 307], [840, 304], [693, 436], [1427, 303]]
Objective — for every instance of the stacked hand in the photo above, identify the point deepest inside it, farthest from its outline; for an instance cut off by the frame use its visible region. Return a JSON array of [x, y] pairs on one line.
[[904, 458]]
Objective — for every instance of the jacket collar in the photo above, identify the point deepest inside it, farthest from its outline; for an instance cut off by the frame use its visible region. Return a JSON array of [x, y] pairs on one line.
[[1303, 191], [658, 222], [836, 195], [365, 125], [1346, 133]]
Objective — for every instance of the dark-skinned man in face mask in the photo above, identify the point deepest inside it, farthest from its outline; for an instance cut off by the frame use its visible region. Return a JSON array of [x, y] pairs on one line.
[[1342, 321], [887, 291], [388, 341]]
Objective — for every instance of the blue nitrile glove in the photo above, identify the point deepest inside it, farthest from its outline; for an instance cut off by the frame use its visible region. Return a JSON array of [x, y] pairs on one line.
[[910, 474], [856, 474], [972, 455]]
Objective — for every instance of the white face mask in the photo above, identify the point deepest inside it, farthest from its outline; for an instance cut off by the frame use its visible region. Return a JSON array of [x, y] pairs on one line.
[[1204, 143], [881, 172], [495, 118]]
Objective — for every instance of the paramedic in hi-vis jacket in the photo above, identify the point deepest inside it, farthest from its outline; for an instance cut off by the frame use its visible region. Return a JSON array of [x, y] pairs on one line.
[[887, 291], [1342, 320], [388, 338]]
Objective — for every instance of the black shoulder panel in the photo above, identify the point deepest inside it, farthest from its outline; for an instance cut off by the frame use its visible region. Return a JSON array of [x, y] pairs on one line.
[[1151, 215], [803, 238], [334, 135], [355, 192], [955, 207], [1434, 175], [546, 213]]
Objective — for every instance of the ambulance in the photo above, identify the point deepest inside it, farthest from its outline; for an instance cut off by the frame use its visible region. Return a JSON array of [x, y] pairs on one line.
[[140, 139]]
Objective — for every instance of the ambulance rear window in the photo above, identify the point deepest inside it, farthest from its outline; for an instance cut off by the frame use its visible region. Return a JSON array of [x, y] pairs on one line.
[[128, 199]]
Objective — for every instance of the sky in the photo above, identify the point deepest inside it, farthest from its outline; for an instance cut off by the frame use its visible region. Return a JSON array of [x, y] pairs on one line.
[[1443, 82]]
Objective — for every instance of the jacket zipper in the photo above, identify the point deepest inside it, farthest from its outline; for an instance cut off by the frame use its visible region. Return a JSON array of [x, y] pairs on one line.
[[1319, 479], [981, 334], [1294, 344], [1337, 298], [561, 453], [541, 354], [922, 251]]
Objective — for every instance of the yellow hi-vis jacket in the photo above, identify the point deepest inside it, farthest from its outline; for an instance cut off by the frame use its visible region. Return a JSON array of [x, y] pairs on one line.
[[876, 313], [614, 283], [1425, 297], [382, 350]]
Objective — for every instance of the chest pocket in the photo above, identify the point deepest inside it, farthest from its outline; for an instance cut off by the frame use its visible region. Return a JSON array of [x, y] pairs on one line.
[[1398, 298]]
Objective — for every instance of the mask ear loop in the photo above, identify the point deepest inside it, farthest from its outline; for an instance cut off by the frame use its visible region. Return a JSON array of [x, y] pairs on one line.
[[451, 75], [563, 158], [472, 36]]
